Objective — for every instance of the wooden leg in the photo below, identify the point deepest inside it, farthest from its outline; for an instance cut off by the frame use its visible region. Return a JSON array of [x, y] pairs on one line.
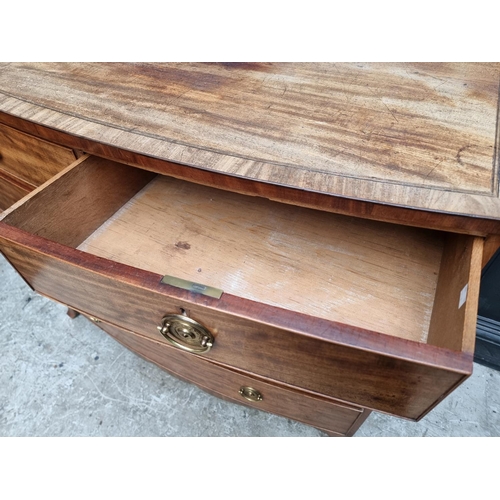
[[359, 422], [354, 428], [72, 313]]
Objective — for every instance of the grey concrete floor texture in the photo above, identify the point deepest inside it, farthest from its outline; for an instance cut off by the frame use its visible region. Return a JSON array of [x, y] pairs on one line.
[[64, 377]]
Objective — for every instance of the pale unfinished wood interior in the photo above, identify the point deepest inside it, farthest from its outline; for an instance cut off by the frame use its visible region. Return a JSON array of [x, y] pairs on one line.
[[377, 276]]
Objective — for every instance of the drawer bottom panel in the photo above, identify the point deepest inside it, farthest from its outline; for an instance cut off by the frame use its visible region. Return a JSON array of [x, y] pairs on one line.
[[322, 413]]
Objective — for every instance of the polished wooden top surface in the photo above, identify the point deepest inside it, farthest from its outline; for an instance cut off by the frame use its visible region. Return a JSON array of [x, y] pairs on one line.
[[421, 136]]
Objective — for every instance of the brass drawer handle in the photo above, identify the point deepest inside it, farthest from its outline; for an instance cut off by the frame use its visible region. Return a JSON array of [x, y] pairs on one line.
[[186, 333], [251, 394]]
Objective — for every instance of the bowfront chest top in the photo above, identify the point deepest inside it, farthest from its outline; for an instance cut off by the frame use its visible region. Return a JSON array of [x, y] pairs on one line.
[[421, 136], [341, 212]]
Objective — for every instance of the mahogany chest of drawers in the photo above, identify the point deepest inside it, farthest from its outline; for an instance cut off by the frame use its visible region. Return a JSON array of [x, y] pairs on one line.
[[310, 255]]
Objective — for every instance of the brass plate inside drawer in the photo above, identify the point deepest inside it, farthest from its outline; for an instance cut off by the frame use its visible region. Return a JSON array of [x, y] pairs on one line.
[[209, 291]]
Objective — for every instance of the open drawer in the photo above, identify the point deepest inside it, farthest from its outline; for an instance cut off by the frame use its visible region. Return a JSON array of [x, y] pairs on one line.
[[375, 314]]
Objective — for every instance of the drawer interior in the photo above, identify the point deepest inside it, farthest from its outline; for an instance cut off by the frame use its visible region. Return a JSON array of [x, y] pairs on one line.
[[396, 280]]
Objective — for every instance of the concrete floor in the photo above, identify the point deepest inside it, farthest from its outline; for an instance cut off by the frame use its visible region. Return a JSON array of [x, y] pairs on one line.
[[63, 377]]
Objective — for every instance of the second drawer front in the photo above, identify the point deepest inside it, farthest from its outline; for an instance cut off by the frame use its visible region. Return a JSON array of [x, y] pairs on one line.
[[222, 382]]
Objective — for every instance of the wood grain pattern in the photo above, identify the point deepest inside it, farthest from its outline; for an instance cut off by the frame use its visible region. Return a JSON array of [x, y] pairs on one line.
[[328, 415], [376, 276], [368, 369], [12, 189], [422, 136], [31, 159]]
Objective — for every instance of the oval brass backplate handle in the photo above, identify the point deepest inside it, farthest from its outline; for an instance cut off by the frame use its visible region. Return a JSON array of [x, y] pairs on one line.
[[186, 333], [251, 394]]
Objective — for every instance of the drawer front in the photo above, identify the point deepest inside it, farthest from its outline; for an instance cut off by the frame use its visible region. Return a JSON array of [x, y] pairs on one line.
[[332, 417], [371, 370], [30, 159], [11, 190]]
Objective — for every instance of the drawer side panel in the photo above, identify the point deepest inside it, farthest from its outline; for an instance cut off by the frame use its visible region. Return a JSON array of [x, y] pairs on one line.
[[10, 190], [31, 159]]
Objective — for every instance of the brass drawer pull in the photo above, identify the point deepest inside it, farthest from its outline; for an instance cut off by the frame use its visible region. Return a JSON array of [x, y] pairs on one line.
[[186, 333], [251, 394]]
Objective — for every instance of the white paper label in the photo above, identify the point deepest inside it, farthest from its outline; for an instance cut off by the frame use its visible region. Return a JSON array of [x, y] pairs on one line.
[[463, 296]]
